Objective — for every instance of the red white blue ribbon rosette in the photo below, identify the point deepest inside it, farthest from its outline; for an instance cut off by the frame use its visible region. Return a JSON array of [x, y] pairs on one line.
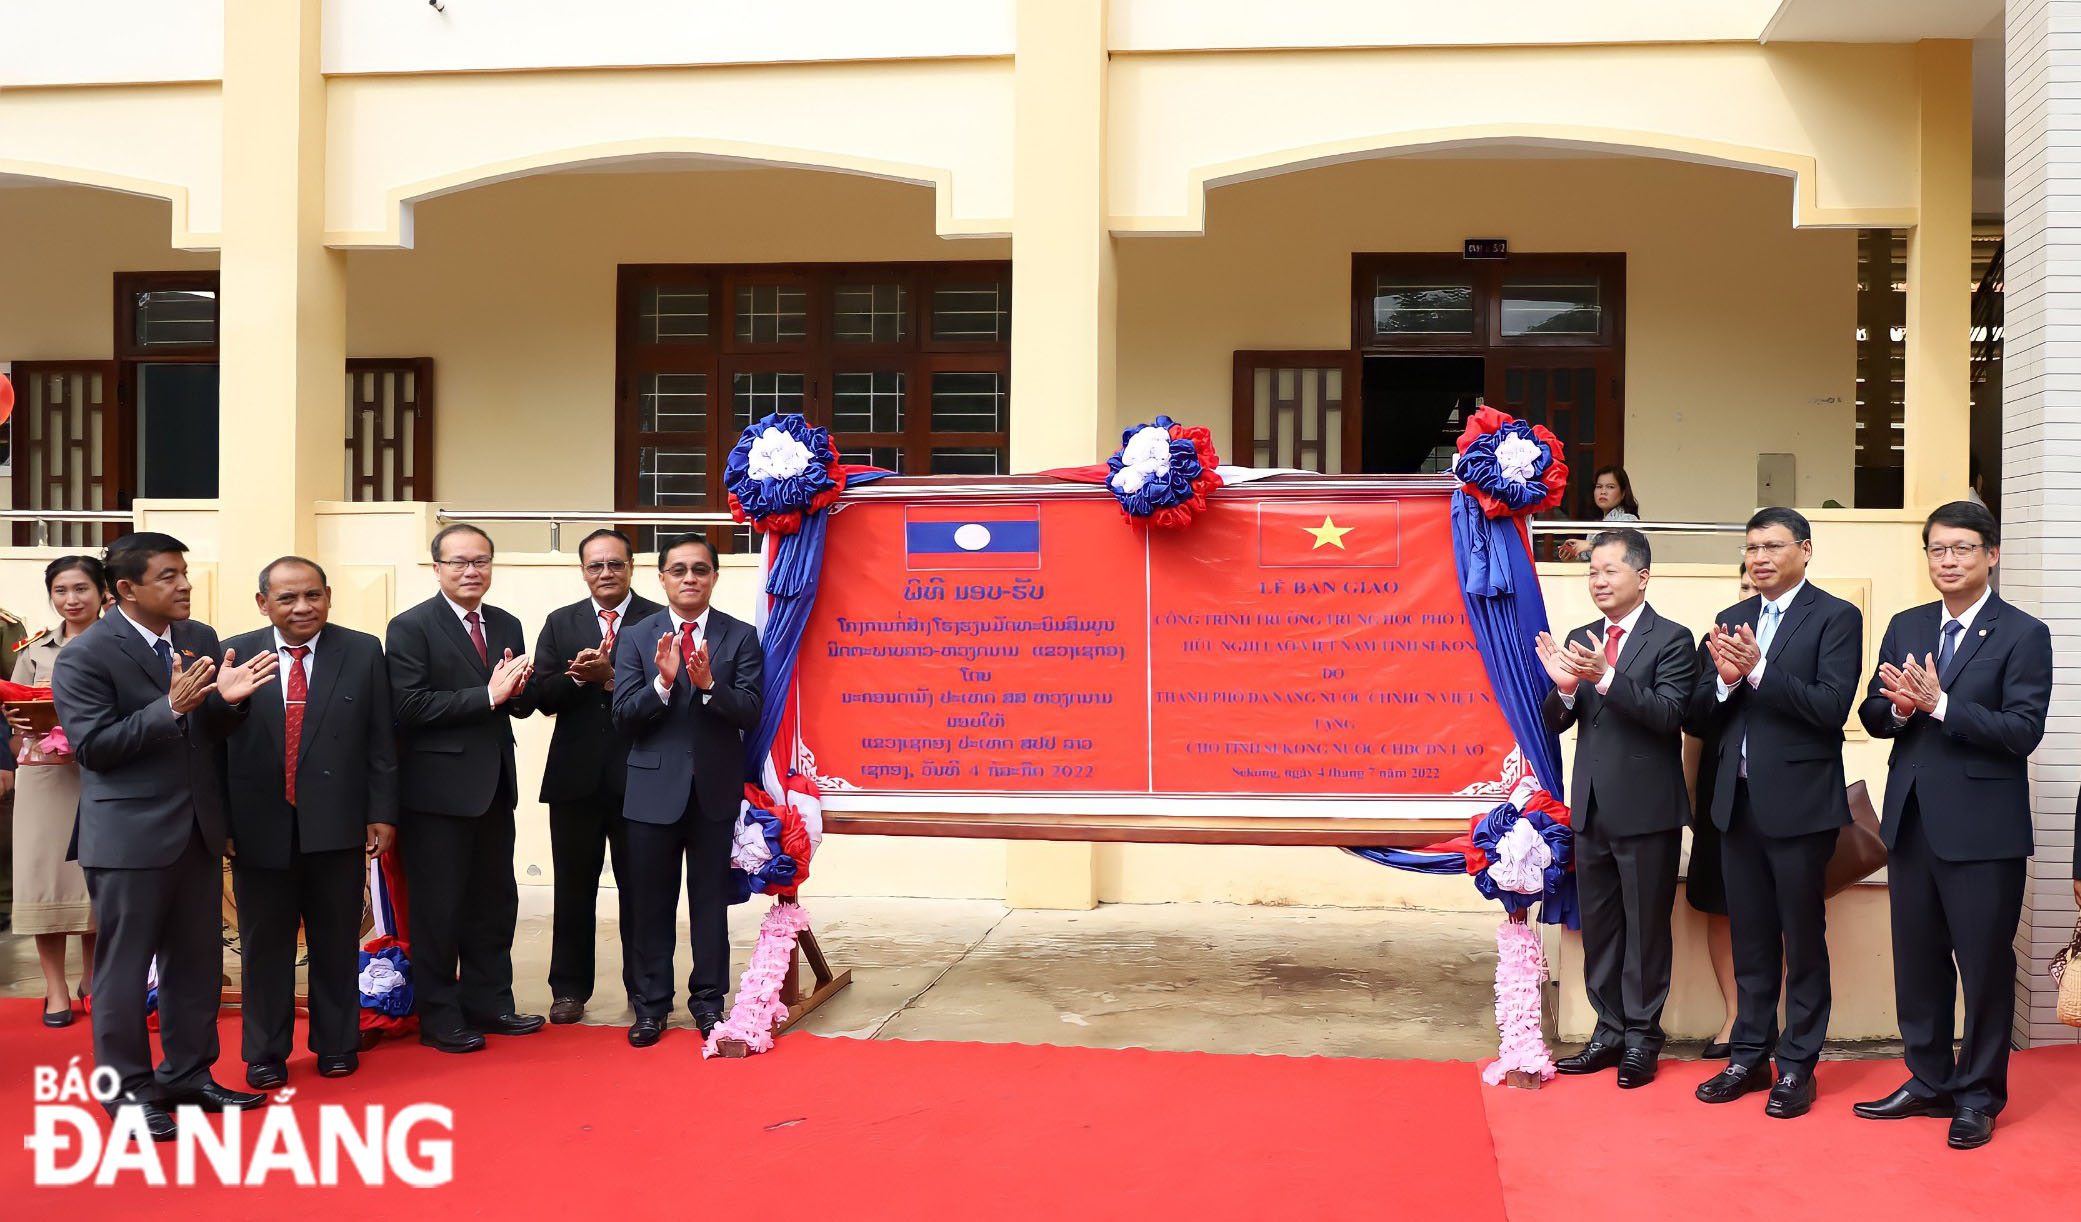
[[1520, 852], [1511, 468], [1163, 471], [782, 468]]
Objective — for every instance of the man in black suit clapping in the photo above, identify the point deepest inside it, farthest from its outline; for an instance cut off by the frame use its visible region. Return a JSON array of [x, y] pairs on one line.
[[1962, 689], [1623, 682], [1784, 675], [588, 759], [458, 676], [143, 698], [313, 776]]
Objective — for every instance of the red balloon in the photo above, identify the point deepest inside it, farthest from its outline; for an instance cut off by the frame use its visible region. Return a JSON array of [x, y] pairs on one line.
[[6, 398]]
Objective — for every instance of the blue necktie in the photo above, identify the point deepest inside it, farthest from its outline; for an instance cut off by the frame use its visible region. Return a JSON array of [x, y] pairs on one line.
[[1764, 636], [1952, 631], [165, 652]]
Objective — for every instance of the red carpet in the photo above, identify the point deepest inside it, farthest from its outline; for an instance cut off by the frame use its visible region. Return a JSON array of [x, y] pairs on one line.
[[574, 1123]]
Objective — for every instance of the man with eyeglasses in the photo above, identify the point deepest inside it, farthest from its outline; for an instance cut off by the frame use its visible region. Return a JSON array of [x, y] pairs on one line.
[[1783, 679], [1962, 689], [588, 759], [458, 676], [686, 691]]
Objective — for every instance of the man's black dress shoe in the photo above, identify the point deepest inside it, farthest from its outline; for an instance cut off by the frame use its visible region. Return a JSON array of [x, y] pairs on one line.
[[512, 1024], [1902, 1104], [339, 1066], [1971, 1128], [214, 1098], [157, 1122], [1636, 1068], [646, 1031], [1732, 1083], [266, 1075], [1793, 1095], [567, 1010], [453, 1041], [706, 1021], [1593, 1057], [1716, 1051]]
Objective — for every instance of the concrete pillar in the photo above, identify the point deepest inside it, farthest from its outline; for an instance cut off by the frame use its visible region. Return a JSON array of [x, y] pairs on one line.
[[2041, 452], [1062, 312], [283, 323], [1939, 344]]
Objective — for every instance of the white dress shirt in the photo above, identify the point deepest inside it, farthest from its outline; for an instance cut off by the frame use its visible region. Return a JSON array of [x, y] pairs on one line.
[[463, 614], [309, 663], [1965, 620], [1625, 627], [700, 623], [621, 616], [1783, 603]]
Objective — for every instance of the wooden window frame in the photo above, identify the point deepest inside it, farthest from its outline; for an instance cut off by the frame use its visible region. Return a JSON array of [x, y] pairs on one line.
[[129, 284], [1487, 277]]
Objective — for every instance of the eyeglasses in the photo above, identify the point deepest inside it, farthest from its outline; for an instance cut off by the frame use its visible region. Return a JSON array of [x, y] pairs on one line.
[[1964, 551], [1754, 550], [464, 564], [598, 567], [679, 571]]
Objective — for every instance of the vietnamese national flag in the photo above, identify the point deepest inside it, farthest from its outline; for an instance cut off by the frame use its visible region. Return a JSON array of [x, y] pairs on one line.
[[1329, 534]]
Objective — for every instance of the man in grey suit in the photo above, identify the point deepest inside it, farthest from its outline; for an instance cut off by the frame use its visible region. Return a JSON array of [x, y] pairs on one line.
[[146, 701], [1623, 683]]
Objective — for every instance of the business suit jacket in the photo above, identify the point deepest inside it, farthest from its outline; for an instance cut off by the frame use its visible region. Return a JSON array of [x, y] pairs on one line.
[[346, 774], [1969, 771], [1629, 749], [1792, 721], [688, 747], [587, 756], [146, 776], [456, 749]]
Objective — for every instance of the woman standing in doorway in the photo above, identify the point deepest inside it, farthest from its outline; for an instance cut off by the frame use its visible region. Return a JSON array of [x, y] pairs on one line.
[[1613, 493], [50, 893]]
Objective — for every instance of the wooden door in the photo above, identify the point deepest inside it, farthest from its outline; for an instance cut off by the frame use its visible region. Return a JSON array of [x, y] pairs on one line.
[[1577, 395], [71, 442], [1296, 409]]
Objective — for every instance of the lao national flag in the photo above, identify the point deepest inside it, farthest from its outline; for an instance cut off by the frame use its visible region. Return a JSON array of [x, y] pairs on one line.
[[1329, 534], [971, 537]]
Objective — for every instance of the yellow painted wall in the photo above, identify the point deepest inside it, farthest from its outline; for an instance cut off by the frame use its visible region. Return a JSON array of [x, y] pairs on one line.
[[60, 248], [1740, 329]]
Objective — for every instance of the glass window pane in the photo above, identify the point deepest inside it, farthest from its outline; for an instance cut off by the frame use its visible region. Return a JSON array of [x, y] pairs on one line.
[[977, 310], [756, 395], [1552, 305], [868, 313], [1422, 305], [889, 458], [867, 402], [968, 403], [674, 314], [975, 460], [673, 403], [176, 316], [772, 313], [671, 477]]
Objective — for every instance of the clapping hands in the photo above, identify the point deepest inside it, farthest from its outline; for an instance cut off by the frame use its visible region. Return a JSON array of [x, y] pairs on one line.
[[1569, 665], [1912, 688], [1735, 652]]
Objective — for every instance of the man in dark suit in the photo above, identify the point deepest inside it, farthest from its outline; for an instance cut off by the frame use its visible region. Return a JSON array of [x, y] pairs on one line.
[[1624, 682], [1962, 689], [313, 787], [1784, 675], [458, 676], [588, 760], [145, 701], [686, 691]]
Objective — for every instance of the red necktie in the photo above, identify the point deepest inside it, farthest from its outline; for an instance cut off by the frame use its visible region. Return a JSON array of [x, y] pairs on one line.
[[607, 636], [686, 644], [1612, 633], [477, 637], [292, 718]]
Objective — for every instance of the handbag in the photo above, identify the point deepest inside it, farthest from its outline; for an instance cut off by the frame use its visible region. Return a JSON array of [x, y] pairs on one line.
[[1859, 849], [2069, 983]]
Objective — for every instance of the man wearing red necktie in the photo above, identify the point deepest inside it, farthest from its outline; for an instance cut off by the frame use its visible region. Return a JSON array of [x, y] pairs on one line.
[[312, 794], [588, 759], [458, 676], [1623, 683]]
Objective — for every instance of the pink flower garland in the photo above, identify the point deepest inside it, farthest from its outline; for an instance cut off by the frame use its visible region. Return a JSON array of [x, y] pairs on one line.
[[758, 1009], [1520, 979]]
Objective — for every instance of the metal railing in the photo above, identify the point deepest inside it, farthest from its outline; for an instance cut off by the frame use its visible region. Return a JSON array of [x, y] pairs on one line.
[[1667, 528], [557, 517], [43, 519]]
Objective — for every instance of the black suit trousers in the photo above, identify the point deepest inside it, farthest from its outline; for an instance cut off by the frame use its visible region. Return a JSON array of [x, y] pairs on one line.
[[1942, 909], [581, 834], [175, 913], [1627, 888], [654, 855], [462, 907], [1777, 914], [322, 892]]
